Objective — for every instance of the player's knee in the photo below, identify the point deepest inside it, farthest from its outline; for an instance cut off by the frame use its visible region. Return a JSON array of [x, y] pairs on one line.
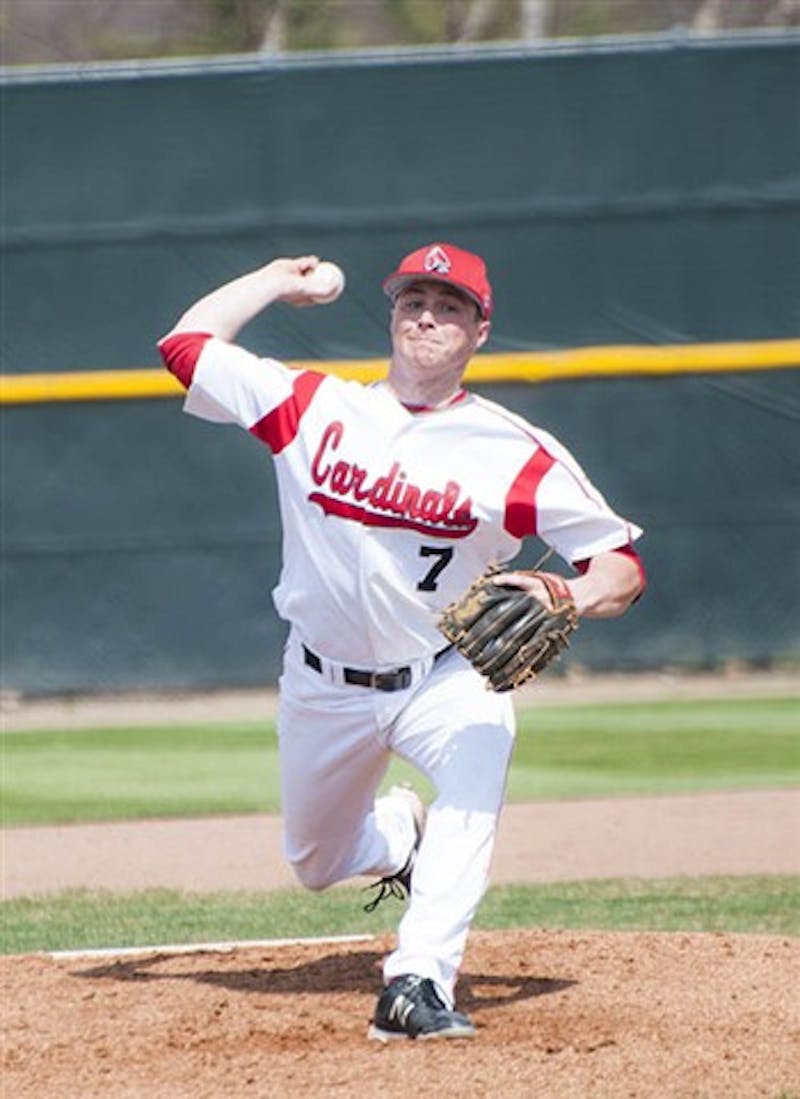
[[310, 880], [310, 871]]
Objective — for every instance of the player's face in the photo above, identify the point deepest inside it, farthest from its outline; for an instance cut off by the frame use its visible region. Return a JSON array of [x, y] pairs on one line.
[[435, 328]]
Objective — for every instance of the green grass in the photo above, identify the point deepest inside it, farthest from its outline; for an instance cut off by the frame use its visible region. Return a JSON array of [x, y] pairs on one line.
[[568, 751], [128, 773], [583, 750], [665, 747], [82, 920]]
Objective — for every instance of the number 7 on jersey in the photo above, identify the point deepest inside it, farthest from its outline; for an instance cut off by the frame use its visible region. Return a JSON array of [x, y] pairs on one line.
[[443, 555]]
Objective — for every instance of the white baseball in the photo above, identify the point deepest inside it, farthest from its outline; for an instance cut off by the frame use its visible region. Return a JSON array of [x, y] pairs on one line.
[[325, 282]]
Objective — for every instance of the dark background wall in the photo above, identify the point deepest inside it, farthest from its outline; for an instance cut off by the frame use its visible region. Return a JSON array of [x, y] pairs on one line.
[[637, 195]]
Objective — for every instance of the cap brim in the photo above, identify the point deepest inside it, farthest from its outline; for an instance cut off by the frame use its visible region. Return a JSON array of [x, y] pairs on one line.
[[395, 283]]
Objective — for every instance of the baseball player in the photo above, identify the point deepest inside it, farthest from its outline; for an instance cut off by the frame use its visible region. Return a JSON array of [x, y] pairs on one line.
[[394, 497]]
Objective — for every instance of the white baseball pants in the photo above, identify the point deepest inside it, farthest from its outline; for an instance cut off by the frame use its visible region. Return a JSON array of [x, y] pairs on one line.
[[335, 743]]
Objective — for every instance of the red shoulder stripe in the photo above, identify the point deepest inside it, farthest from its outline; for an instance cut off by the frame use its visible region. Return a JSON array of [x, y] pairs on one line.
[[279, 427], [181, 352], [521, 517]]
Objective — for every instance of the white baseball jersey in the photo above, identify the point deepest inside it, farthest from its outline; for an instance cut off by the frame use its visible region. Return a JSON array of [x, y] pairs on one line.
[[390, 512]]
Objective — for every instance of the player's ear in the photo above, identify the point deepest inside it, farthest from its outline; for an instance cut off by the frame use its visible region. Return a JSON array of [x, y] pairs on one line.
[[484, 328]]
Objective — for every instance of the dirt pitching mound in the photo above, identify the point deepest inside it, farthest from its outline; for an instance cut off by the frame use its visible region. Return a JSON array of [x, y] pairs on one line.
[[559, 1014]]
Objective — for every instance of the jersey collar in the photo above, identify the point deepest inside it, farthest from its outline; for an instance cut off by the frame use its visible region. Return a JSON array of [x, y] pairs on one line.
[[414, 409]]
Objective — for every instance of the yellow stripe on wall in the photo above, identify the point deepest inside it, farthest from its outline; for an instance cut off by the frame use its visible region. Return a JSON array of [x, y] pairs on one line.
[[88, 385], [516, 366]]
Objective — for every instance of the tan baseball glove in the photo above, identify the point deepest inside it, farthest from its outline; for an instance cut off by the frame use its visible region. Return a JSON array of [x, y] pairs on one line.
[[506, 632]]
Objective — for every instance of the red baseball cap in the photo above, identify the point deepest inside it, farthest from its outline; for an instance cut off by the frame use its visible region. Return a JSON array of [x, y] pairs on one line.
[[443, 262]]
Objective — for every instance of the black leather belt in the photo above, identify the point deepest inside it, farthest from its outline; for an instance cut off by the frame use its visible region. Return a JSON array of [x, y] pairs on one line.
[[395, 680]]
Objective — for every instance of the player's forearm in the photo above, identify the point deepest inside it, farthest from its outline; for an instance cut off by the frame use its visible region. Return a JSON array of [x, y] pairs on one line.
[[226, 310], [608, 587]]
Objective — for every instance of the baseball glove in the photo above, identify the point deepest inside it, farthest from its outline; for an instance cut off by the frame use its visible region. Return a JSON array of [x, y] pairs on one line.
[[508, 634]]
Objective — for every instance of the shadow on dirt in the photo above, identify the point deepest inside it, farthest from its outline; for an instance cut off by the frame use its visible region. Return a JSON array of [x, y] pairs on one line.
[[356, 971]]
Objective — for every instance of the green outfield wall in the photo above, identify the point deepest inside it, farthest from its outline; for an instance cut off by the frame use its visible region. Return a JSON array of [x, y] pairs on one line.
[[630, 198]]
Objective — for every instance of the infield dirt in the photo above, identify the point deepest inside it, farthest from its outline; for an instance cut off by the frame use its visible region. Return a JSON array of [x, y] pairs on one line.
[[560, 1015]]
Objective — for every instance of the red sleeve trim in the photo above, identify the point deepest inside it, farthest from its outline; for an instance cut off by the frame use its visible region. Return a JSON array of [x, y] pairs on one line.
[[521, 516], [279, 427], [626, 551], [181, 352]]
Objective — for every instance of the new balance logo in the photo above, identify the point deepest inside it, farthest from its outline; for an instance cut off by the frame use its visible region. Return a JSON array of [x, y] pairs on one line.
[[401, 1009]]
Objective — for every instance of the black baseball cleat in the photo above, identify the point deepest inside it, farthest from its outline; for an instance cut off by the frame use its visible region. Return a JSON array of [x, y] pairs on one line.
[[411, 1007]]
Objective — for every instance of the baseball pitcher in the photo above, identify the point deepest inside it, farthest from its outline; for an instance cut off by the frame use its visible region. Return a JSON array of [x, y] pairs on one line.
[[400, 503]]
